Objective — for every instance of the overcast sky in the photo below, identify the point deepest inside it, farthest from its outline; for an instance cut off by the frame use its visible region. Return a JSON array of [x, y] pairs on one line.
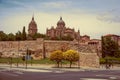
[[93, 17]]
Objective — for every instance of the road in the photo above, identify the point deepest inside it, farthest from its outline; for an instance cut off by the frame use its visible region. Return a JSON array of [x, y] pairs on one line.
[[60, 75]]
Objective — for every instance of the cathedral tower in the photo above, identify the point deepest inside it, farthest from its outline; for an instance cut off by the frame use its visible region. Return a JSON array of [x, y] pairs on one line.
[[32, 27]]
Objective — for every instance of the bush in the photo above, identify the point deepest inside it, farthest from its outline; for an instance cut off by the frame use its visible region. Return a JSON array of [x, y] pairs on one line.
[[57, 56], [71, 56]]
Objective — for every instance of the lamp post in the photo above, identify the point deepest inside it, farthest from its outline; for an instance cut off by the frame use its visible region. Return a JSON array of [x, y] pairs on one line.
[[78, 53], [26, 56], [18, 53]]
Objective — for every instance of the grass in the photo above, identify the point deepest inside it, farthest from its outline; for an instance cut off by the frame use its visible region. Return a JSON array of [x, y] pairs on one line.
[[110, 60], [19, 60]]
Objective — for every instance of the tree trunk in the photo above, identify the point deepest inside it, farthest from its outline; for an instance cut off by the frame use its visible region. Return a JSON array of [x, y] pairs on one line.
[[70, 64], [58, 64]]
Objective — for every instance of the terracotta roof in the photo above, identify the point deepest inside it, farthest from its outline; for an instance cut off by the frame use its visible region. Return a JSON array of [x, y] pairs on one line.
[[111, 35]]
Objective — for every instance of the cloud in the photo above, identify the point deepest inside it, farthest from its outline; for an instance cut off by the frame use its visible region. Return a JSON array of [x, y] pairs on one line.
[[111, 16], [87, 23], [57, 4]]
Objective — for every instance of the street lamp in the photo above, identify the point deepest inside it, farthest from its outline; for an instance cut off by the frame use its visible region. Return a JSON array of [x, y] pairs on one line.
[[78, 53], [18, 53], [26, 56]]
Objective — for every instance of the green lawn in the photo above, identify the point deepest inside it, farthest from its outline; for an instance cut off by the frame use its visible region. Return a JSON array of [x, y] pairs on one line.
[[19, 60], [110, 60]]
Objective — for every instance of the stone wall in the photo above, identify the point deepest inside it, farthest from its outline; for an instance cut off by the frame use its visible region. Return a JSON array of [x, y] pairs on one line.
[[89, 60], [51, 46], [15, 48], [43, 48]]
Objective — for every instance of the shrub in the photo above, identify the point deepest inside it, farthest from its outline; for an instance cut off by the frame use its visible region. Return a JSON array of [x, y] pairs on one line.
[[57, 56]]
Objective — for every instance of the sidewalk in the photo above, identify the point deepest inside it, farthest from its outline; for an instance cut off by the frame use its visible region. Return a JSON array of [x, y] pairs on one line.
[[38, 68], [49, 68]]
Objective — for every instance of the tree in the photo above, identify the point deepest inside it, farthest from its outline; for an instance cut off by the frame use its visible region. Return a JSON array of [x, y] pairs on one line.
[[57, 56], [71, 56], [18, 36], [3, 36], [0, 54], [68, 38], [110, 48], [11, 37], [24, 34]]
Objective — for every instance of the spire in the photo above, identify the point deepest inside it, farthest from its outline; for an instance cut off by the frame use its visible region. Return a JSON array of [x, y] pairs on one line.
[[60, 18], [33, 17], [78, 31]]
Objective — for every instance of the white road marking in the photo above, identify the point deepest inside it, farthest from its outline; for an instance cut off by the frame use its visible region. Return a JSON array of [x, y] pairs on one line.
[[112, 77], [18, 72], [59, 71], [33, 70], [91, 79], [10, 74]]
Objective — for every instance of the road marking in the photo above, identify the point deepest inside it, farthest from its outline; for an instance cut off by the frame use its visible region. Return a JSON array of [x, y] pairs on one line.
[[33, 70], [91, 79], [59, 71], [112, 77], [18, 72], [10, 74]]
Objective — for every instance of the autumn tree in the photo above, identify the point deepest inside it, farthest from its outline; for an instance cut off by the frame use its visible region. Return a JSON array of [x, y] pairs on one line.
[[57, 56], [71, 56]]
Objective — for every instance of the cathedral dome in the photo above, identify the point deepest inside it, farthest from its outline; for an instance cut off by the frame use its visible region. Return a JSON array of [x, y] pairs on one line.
[[32, 24], [32, 28], [60, 22]]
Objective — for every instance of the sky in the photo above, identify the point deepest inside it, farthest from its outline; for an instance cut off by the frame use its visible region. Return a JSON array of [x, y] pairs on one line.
[[92, 17]]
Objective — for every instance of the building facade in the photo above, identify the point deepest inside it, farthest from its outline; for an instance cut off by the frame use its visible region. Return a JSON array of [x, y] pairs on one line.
[[61, 31]]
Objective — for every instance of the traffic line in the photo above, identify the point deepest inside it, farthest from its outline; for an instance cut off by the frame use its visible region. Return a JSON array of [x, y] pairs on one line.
[[18, 72], [33, 70], [113, 78], [10, 74], [91, 79]]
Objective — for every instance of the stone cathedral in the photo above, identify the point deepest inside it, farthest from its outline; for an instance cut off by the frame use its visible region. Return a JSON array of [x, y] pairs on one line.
[[62, 31]]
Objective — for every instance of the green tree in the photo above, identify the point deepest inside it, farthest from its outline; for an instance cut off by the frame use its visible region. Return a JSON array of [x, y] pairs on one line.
[[18, 36], [3, 36], [57, 56], [24, 34], [110, 48], [0, 54], [68, 38], [11, 37], [71, 56]]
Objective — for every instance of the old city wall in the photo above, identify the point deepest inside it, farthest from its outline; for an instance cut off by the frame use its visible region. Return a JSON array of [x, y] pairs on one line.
[[41, 47], [89, 60], [13, 48], [51, 46]]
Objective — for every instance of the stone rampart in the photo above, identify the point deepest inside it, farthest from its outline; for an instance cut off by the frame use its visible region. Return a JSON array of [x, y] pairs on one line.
[[42, 48], [89, 60]]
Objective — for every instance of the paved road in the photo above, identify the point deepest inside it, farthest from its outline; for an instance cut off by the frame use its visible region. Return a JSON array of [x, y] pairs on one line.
[[56, 74]]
